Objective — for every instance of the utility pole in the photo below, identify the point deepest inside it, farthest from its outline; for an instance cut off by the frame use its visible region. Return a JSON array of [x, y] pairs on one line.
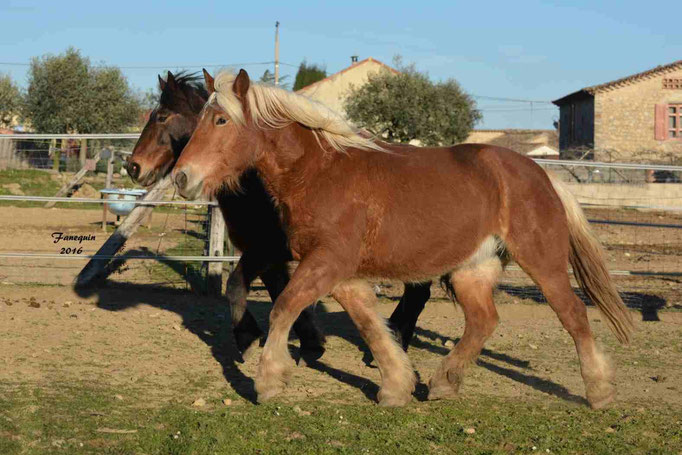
[[277, 53]]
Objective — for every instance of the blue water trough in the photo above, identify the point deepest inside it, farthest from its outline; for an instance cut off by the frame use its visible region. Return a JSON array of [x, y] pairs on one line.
[[122, 197]]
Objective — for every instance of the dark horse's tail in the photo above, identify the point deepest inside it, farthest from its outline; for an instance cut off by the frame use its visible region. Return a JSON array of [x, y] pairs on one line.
[[587, 259]]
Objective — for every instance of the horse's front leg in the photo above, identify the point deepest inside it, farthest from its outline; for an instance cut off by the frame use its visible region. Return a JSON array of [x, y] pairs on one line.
[[315, 276], [276, 278], [244, 326]]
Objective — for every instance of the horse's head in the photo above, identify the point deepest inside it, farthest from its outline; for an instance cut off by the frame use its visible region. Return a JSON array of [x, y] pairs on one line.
[[224, 143], [168, 129]]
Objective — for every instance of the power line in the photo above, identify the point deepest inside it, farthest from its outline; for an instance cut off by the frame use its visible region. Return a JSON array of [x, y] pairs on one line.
[[272, 62], [129, 67], [498, 98]]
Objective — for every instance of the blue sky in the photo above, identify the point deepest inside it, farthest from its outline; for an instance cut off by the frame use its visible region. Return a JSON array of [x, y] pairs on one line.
[[521, 50]]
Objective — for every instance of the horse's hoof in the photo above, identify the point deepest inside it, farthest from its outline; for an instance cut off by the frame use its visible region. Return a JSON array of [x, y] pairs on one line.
[[393, 400], [441, 392], [600, 395], [269, 394]]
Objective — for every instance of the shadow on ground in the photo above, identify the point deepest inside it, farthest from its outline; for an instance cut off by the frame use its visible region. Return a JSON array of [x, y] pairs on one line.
[[209, 319], [647, 304]]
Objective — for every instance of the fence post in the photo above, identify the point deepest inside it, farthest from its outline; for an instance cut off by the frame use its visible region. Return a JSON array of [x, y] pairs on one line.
[[83, 152], [216, 247], [107, 183], [55, 154]]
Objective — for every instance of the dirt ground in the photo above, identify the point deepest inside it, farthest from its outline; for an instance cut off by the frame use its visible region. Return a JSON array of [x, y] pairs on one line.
[[171, 332], [178, 347], [153, 341], [30, 230]]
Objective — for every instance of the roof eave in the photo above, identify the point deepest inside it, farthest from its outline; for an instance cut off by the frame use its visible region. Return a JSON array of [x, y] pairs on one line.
[[580, 94]]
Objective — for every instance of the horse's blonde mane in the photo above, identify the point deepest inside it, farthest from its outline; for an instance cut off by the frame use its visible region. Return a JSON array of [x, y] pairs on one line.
[[276, 108]]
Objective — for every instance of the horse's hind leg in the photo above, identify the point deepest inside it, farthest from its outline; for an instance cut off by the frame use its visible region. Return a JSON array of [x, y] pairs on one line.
[[546, 263], [473, 287], [404, 318], [312, 340], [397, 375]]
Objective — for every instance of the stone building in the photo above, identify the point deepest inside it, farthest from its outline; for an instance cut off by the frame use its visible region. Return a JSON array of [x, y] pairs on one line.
[[332, 90], [635, 118]]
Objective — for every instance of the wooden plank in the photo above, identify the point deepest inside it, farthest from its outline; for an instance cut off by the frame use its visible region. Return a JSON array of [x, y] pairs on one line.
[[97, 268], [71, 183], [216, 247]]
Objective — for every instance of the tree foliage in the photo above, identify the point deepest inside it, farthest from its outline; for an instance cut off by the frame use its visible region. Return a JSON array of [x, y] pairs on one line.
[[66, 94], [10, 100], [407, 106], [268, 77], [308, 74]]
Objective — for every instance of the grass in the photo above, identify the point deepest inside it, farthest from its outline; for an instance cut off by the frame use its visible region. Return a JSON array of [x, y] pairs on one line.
[[40, 183], [90, 419], [32, 182]]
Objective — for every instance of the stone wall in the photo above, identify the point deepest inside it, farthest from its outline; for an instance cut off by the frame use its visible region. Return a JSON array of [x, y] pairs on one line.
[[667, 195], [624, 121]]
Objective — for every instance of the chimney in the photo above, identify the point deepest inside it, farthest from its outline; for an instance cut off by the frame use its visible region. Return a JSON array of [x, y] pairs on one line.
[[353, 59]]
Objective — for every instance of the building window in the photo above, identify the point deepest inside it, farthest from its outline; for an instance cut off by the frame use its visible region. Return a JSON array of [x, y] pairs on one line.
[[674, 123], [672, 83]]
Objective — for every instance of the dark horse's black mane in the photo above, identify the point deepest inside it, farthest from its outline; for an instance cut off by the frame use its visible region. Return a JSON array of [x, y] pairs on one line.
[[189, 84]]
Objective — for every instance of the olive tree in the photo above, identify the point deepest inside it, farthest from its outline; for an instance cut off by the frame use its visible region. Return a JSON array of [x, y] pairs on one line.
[[66, 94], [10, 100], [409, 106]]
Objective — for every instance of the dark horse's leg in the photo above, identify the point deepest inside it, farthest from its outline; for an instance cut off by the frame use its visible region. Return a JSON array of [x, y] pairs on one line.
[[404, 318], [244, 326], [275, 278]]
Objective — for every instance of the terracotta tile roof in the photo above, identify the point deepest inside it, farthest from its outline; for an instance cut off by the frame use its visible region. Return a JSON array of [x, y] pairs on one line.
[[519, 140], [353, 66], [634, 78]]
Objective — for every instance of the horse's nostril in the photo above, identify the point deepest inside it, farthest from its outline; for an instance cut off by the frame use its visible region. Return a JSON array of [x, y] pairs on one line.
[[133, 170], [181, 180]]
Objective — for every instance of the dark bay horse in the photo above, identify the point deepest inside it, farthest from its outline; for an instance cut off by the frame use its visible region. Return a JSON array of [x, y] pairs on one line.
[[253, 223], [355, 208]]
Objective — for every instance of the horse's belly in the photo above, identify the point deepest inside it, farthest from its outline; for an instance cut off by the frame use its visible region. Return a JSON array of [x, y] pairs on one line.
[[422, 251]]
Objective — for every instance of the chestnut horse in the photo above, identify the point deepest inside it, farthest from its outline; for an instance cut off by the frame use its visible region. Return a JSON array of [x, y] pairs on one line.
[[355, 208], [253, 223]]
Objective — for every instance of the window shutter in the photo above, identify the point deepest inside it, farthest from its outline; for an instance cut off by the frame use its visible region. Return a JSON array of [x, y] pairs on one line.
[[660, 118]]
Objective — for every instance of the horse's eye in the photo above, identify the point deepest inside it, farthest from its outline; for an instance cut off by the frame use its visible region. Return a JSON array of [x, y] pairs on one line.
[[161, 118], [221, 121]]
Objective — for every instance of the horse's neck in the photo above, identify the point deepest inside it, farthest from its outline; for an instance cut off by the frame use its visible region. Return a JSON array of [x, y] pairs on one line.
[[289, 156]]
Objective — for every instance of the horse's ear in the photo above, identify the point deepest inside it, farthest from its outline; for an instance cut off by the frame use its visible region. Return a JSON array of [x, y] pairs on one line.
[[162, 83], [241, 84], [208, 79], [170, 81]]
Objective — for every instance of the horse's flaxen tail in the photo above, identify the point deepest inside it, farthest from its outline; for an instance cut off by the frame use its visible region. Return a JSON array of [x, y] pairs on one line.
[[589, 267]]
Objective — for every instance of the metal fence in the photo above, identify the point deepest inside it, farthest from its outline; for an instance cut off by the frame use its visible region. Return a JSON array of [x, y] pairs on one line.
[[59, 152], [635, 209]]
